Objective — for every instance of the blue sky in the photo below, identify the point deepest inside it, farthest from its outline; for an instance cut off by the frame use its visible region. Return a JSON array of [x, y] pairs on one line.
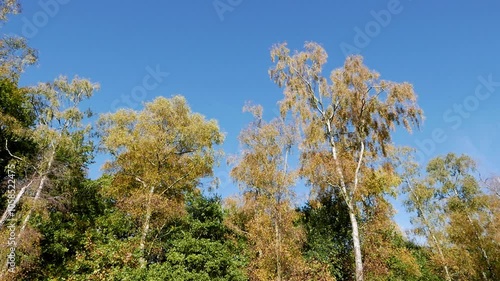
[[216, 54]]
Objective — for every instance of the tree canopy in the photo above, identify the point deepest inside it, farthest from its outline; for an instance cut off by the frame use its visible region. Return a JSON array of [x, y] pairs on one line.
[[154, 213]]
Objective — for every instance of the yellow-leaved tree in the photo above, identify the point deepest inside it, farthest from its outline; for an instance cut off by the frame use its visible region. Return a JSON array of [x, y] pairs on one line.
[[62, 147], [158, 154], [346, 120], [269, 218]]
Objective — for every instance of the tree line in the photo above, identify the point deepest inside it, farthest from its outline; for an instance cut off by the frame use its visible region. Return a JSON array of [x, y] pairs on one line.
[[147, 218]]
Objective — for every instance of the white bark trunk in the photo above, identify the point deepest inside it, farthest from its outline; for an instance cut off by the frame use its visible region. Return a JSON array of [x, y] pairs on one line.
[[438, 246], [431, 233], [478, 237], [7, 211], [352, 214], [39, 189], [145, 229], [446, 271], [356, 244]]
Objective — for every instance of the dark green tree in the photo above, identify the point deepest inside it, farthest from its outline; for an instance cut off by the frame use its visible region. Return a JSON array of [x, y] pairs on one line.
[[328, 237], [195, 246]]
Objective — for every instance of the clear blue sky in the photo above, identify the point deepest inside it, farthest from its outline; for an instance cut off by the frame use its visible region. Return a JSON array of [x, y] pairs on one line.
[[218, 59]]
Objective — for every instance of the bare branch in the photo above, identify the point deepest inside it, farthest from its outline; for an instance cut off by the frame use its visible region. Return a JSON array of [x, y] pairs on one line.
[[174, 183], [320, 108], [12, 155]]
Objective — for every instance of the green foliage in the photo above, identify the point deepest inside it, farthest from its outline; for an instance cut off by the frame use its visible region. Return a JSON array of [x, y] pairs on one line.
[[17, 116], [197, 246], [15, 56], [423, 258], [146, 219], [64, 226], [328, 241], [159, 154]]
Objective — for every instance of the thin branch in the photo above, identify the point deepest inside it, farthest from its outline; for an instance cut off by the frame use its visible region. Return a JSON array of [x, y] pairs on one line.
[[174, 183], [12, 155], [184, 152], [320, 108], [141, 181]]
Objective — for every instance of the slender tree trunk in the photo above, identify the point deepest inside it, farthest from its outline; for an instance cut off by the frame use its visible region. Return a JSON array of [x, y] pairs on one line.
[[477, 236], [354, 222], [41, 185], [438, 246], [37, 196], [352, 214], [446, 271], [14, 204], [431, 233], [145, 229], [483, 251], [356, 244]]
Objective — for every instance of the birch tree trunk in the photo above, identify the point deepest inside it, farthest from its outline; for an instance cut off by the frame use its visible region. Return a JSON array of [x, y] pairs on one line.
[[441, 255], [480, 246], [358, 259], [39, 189], [350, 103], [7, 211], [431, 232], [145, 229], [356, 244]]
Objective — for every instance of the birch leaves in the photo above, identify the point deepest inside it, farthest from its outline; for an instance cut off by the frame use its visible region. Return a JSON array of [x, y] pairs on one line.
[[346, 120], [457, 217], [159, 154], [264, 174]]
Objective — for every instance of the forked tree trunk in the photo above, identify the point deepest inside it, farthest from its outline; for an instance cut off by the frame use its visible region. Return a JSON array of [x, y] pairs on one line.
[[350, 205], [38, 194]]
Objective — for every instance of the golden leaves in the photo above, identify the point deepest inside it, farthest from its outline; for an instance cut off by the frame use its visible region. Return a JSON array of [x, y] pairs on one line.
[[9, 7], [165, 146], [265, 214], [357, 103]]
